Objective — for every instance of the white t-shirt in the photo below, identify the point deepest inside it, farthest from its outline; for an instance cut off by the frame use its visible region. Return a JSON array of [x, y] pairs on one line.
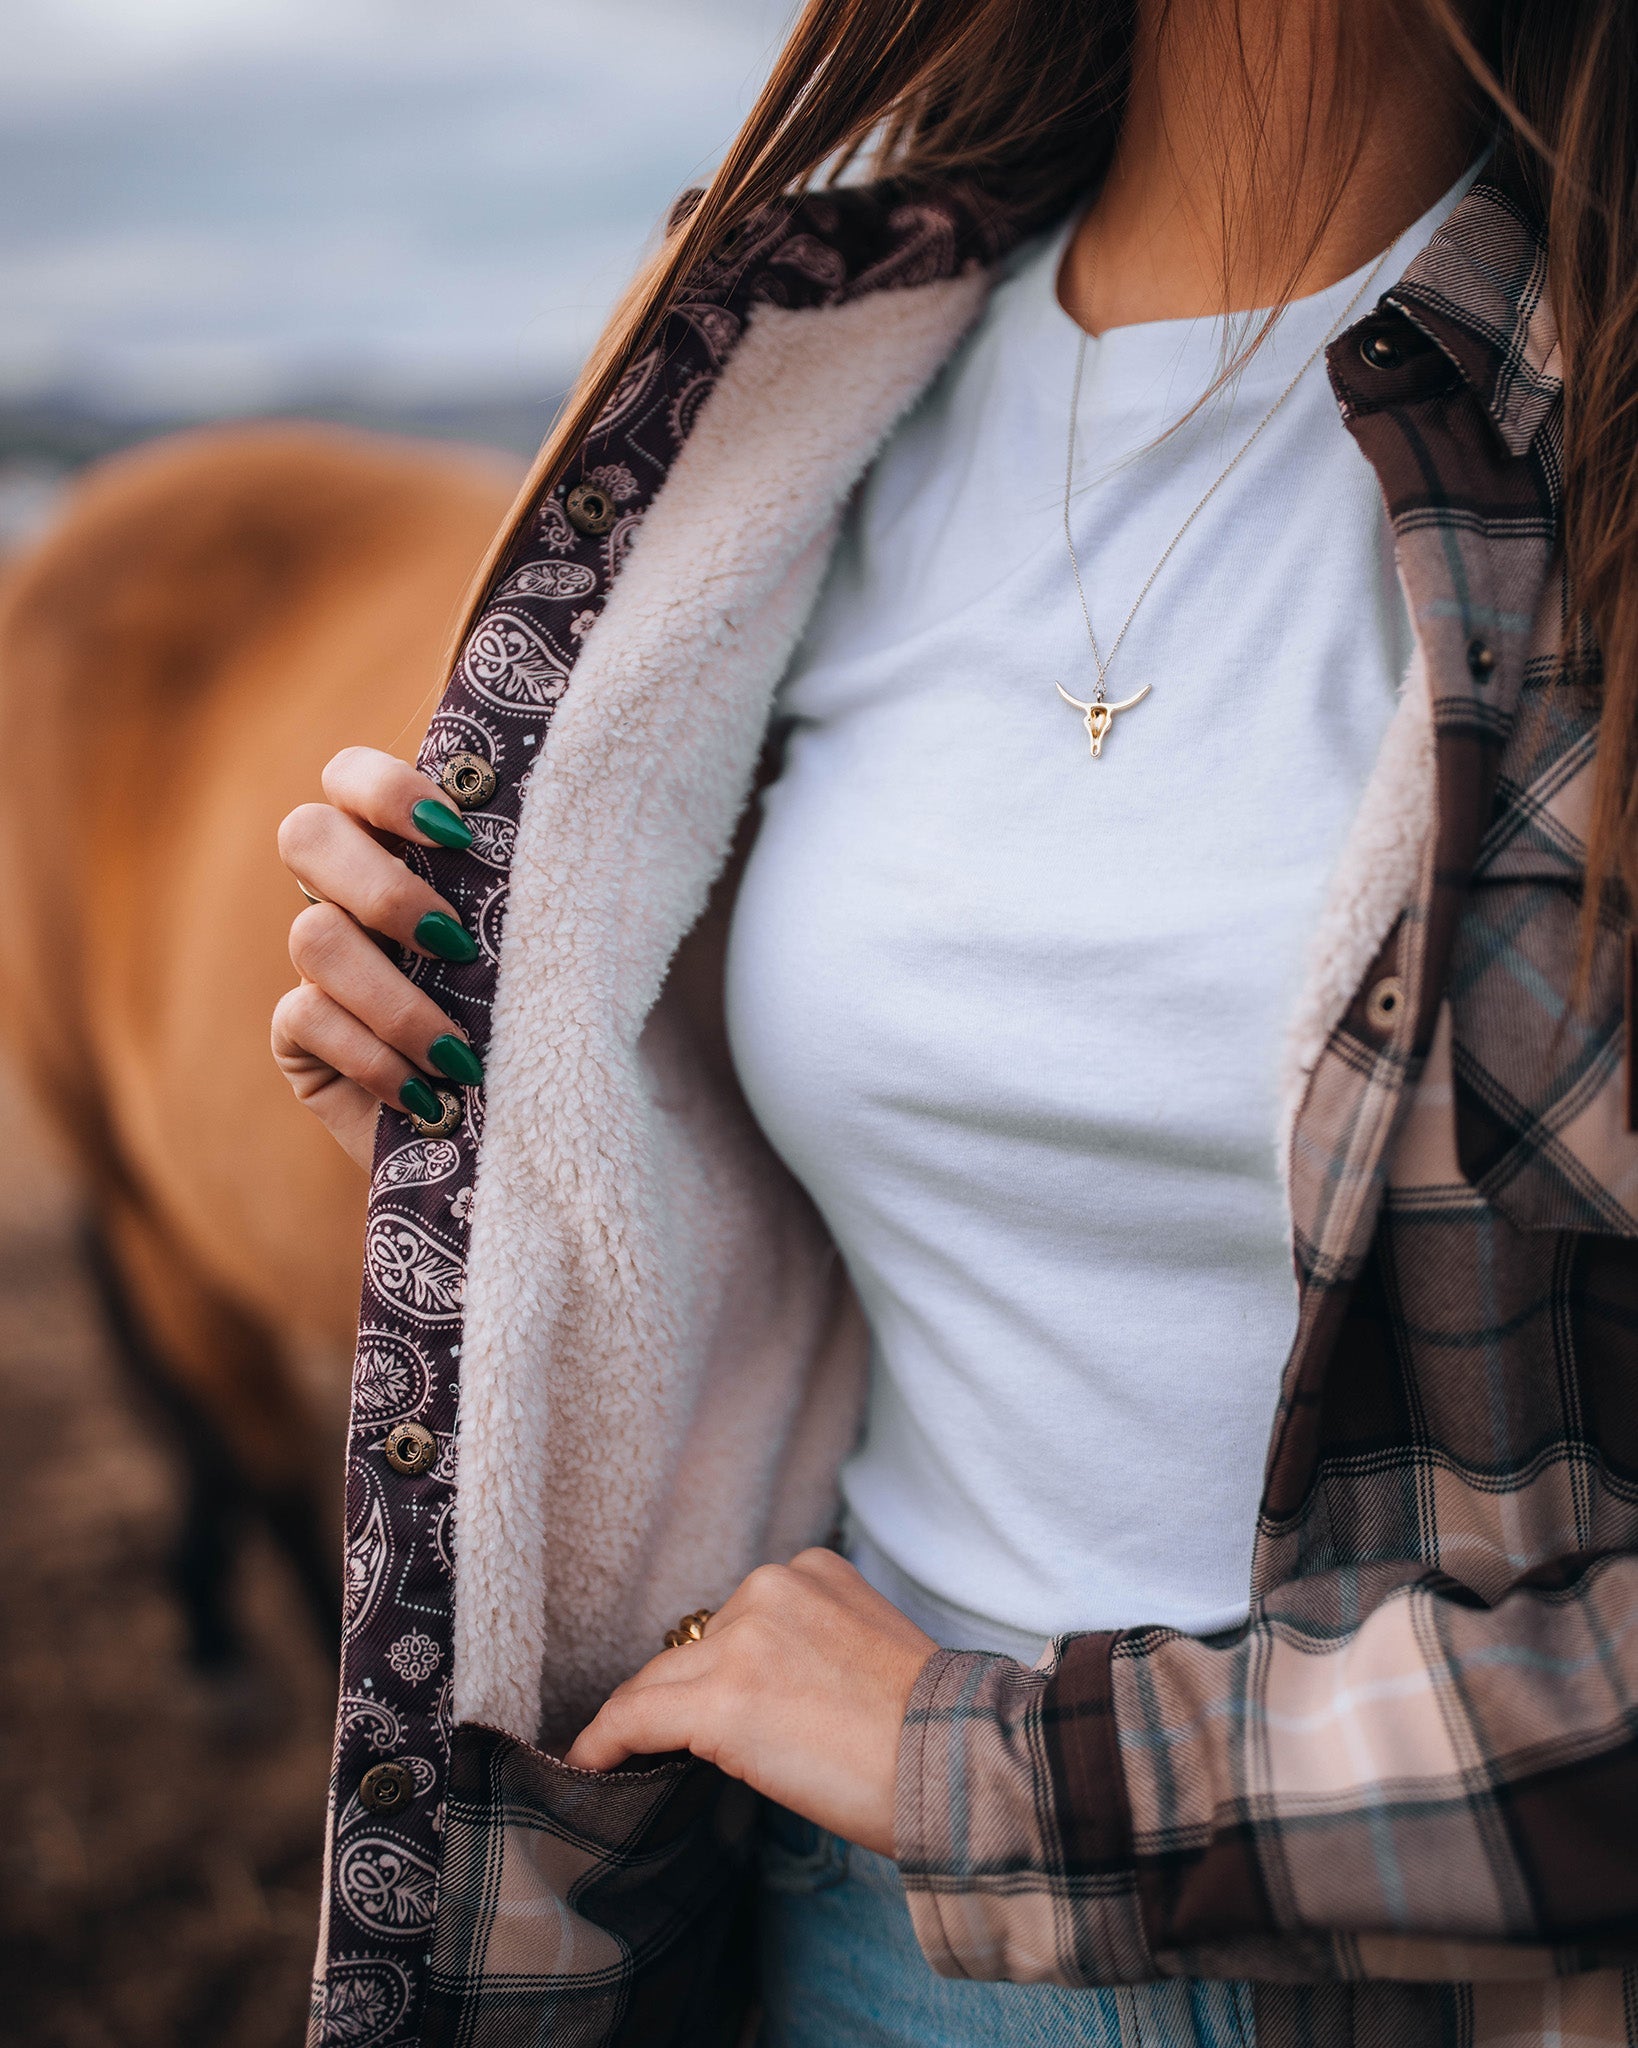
[[1013, 1016]]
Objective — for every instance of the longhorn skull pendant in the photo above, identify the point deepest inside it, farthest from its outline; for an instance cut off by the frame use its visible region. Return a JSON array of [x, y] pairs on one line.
[[1098, 717]]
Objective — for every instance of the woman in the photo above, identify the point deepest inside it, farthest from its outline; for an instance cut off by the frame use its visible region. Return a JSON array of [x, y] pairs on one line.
[[1195, 833]]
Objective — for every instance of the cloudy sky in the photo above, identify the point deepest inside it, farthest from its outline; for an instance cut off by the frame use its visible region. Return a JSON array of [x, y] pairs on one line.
[[222, 203]]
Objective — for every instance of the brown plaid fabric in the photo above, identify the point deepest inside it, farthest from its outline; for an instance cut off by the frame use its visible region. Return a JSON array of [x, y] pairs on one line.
[[1403, 1796], [580, 1910]]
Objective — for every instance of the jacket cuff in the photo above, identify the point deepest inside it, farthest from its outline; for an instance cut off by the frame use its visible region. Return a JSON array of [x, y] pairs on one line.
[[1011, 1826]]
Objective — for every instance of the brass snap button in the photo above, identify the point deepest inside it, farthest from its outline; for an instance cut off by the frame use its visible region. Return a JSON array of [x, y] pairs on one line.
[[590, 508], [439, 1127], [1383, 1004], [732, 243], [1381, 349], [410, 1448], [384, 1788], [1481, 659], [469, 779]]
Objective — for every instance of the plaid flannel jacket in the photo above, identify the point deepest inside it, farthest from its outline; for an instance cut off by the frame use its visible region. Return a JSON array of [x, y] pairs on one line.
[[1403, 1796], [1418, 1758]]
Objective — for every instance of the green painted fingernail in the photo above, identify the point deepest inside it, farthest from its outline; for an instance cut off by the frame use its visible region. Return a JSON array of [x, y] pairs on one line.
[[420, 1098], [454, 1057], [446, 937], [442, 826]]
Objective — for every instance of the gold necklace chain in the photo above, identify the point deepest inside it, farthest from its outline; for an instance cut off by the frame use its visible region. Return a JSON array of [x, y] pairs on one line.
[[1099, 714]]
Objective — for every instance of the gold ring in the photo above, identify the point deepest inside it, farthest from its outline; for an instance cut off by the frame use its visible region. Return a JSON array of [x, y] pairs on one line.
[[689, 1629], [302, 886]]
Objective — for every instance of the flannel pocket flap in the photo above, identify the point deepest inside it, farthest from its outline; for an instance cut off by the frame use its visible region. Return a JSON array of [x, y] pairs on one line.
[[611, 1902]]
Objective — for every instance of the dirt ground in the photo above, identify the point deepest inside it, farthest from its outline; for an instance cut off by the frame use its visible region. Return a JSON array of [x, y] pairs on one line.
[[159, 1855]]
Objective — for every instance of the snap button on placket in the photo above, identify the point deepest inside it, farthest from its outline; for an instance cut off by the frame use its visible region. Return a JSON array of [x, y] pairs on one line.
[[590, 509], [469, 779], [410, 1448], [732, 243], [441, 1126], [1381, 350], [385, 1788], [1384, 1003], [1481, 660]]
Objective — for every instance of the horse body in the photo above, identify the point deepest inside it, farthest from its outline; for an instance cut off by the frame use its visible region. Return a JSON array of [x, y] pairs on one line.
[[210, 620]]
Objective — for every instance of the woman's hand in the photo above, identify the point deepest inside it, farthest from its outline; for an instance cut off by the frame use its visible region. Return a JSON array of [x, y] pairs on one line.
[[358, 1032], [799, 1686]]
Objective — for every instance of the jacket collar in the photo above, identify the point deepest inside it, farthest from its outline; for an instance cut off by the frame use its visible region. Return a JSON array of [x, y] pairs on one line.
[[1479, 291]]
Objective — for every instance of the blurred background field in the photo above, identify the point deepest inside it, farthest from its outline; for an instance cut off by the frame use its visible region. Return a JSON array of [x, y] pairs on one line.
[[393, 212], [160, 1854], [388, 213]]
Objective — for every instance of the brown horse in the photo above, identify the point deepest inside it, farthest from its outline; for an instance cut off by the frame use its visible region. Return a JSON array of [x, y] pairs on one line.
[[212, 618]]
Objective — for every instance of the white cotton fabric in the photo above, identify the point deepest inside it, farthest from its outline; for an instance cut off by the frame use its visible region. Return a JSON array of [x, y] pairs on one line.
[[1014, 1017]]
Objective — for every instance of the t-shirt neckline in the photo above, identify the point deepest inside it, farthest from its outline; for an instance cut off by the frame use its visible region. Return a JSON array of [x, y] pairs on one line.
[[1163, 366]]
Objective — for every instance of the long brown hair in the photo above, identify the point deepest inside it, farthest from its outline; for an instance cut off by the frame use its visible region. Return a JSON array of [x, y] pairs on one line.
[[1024, 98]]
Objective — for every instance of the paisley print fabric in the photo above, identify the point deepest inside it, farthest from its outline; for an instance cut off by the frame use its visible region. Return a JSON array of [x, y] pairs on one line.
[[516, 664]]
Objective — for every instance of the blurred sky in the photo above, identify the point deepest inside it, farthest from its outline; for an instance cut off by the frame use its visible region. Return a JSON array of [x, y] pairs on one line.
[[216, 204]]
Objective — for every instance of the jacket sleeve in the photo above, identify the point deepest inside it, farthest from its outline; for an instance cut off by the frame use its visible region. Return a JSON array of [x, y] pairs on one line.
[[1443, 1790]]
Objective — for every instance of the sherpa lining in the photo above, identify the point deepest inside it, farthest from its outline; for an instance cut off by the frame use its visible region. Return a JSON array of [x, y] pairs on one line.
[[662, 1365], [1374, 878]]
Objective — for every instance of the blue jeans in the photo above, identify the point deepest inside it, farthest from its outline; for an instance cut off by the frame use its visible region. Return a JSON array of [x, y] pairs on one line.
[[841, 1969]]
